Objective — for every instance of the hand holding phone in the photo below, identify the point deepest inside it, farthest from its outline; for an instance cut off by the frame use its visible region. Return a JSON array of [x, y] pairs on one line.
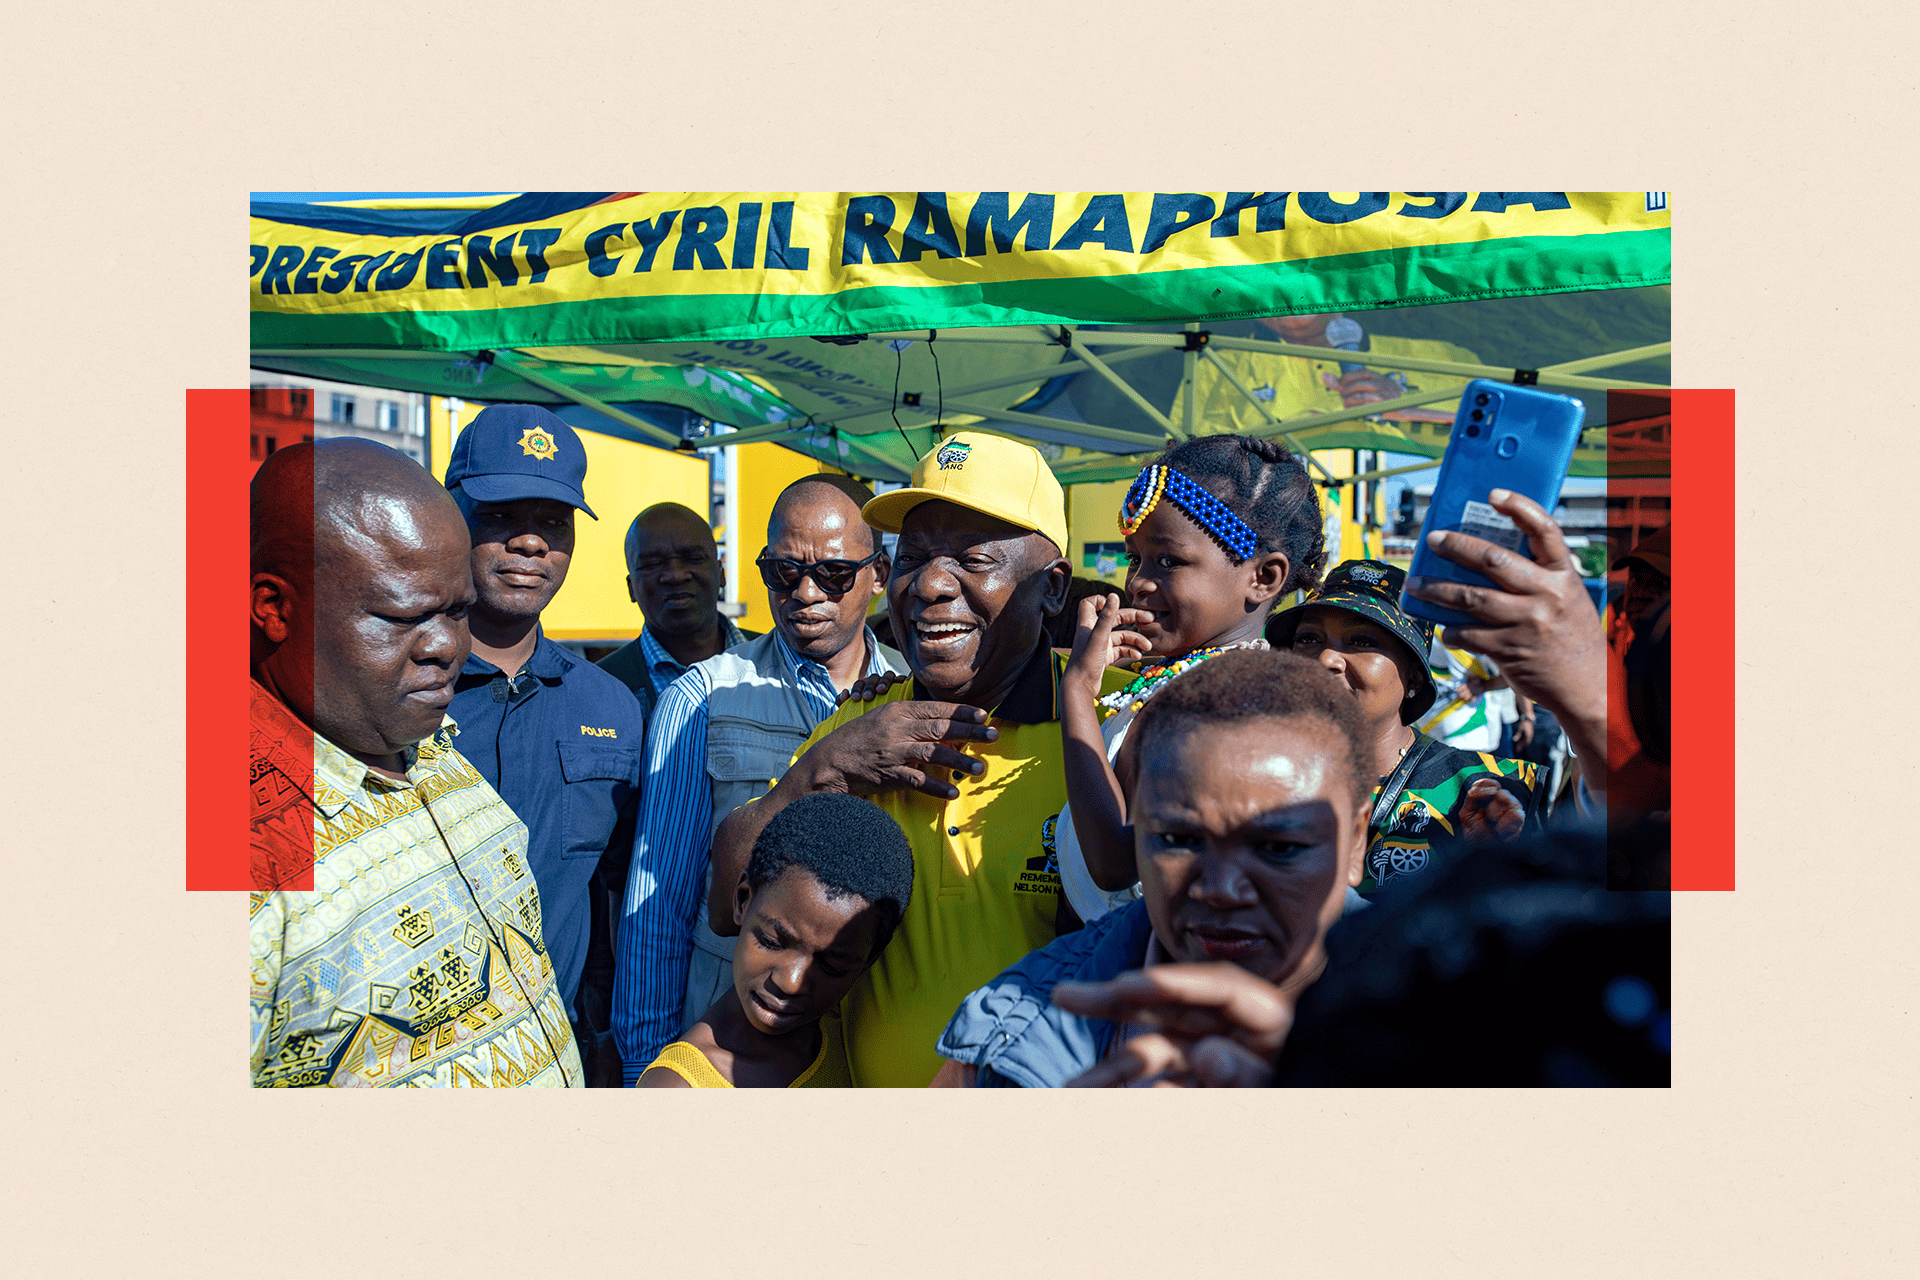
[[1534, 618], [1504, 437]]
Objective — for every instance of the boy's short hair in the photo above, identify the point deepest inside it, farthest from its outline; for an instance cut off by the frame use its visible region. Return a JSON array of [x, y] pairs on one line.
[[1251, 685], [846, 843]]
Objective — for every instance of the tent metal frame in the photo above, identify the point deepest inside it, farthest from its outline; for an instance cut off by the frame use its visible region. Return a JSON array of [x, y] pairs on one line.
[[1080, 358]]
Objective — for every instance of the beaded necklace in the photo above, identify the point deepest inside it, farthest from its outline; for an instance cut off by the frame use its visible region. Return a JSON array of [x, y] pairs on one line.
[[1135, 693]]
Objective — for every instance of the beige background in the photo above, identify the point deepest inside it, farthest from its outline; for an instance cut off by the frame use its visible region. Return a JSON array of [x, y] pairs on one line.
[[1786, 1146]]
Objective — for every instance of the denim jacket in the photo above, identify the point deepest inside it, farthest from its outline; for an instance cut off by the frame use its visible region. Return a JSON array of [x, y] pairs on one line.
[[1013, 1032]]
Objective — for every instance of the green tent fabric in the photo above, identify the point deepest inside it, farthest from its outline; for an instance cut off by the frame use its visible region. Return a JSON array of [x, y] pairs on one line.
[[947, 309]]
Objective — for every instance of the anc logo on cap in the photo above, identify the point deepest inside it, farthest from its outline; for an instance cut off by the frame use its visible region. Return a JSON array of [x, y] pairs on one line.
[[952, 455], [536, 443], [1368, 574]]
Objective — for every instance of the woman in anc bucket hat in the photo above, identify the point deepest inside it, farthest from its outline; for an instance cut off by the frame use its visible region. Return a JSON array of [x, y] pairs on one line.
[[1429, 796]]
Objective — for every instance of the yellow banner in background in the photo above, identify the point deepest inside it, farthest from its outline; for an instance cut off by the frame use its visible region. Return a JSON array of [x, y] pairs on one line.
[[800, 244]]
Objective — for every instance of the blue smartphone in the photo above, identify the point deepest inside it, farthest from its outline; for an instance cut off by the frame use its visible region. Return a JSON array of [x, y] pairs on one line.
[[1504, 437]]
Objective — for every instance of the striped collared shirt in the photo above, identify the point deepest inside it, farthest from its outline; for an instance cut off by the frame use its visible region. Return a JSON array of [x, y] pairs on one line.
[[669, 868], [663, 668], [417, 958]]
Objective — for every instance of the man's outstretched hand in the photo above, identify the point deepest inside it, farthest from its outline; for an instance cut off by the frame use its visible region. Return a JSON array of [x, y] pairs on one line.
[[900, 745]]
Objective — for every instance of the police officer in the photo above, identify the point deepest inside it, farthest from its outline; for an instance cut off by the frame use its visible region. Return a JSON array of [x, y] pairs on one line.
[[556, 736]]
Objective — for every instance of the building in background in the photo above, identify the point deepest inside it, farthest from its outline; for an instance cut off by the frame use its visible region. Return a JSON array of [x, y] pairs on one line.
[[286, 410], [277, 417]]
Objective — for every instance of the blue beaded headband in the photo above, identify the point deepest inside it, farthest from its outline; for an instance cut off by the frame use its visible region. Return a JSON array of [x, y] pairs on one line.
[[1211, 514]]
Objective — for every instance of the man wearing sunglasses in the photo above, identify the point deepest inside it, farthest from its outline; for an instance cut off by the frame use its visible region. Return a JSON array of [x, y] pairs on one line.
[[722, 731]]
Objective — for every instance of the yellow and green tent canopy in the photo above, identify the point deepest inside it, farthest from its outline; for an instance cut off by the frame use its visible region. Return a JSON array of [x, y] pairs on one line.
[[857, 326]]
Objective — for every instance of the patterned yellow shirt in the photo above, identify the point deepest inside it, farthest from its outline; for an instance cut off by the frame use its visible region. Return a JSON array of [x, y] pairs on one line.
[[417, 958]]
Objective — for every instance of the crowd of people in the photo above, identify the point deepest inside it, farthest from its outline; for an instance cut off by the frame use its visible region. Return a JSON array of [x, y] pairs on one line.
[[1021, 833]]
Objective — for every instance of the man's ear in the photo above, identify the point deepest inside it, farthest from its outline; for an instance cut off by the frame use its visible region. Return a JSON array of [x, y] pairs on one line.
[[882, 571], [632, 594], [272, 606], [1059, 586], [742, 895], [1269, 579], [1357, 855]]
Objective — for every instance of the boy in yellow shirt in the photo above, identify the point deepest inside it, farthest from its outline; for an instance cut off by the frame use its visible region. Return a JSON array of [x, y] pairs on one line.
[[829, 878]]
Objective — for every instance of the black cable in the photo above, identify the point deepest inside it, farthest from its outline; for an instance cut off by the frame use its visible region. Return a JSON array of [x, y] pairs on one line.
[[939, 390], [895, 407]]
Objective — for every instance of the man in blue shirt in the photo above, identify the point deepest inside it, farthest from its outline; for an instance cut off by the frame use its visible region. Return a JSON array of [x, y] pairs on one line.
[[719, 735], [675, 575], [559, 739]]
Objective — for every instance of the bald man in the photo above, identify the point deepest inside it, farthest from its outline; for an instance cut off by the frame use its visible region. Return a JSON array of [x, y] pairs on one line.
[[674, 574], [418, 957], [721, 732]]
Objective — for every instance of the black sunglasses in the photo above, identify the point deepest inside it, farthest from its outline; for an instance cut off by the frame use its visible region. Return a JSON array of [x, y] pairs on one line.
[[835, 577]]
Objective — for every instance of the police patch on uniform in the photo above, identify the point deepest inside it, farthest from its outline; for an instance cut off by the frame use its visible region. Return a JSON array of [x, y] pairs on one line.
[[536, 443]]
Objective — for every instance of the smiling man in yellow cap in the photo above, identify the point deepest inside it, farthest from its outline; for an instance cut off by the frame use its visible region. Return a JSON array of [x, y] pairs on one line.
[[966, 757]]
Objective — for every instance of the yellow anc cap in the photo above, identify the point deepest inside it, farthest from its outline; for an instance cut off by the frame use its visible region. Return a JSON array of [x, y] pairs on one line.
[[990, 474]]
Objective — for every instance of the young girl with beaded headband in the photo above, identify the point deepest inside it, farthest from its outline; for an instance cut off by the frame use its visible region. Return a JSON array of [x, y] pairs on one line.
[[1218, 528]]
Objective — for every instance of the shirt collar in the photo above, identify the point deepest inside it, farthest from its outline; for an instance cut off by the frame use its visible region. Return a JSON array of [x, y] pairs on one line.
[[548, 661], [657, 655], [339, 778], [797, 664], [1034, 696]]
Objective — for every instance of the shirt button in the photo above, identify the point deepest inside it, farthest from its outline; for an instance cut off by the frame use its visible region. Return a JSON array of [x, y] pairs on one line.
[[953, 831]]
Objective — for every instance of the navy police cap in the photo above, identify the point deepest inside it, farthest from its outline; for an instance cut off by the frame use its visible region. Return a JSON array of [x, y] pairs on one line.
[[514, 451]]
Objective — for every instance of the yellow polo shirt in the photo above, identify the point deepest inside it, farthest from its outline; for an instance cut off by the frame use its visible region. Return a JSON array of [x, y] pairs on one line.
[[985, 880]]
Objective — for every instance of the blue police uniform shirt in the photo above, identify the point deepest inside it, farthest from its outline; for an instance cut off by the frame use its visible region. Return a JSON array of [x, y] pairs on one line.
[[561, 742]]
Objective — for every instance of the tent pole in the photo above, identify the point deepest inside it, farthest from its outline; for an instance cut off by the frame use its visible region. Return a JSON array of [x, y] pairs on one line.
[[860, 448], [1428, 465], [1069, 337], [954, 335], [1071, 365], [1550, 375], [559, 388], [1430, 397], [1562, 375], [1267, 413], [1059, 424], [1614, 358], [855, 448], [1190, 383], [1073, 473], [773, 432]]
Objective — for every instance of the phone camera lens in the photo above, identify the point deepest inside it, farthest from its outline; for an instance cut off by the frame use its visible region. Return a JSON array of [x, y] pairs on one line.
[[1476, 415], [1481, 398], [1473, 428]]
